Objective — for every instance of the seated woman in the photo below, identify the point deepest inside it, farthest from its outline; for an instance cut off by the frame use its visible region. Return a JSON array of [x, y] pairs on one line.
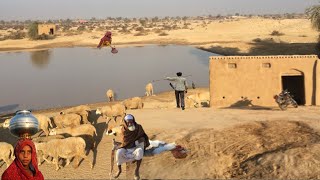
[[25, 165]]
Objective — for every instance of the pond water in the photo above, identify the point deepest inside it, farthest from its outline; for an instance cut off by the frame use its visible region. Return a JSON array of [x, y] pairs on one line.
[[70, 76]]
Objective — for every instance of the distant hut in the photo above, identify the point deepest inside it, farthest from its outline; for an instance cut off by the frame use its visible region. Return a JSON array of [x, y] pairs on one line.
[[48, 29]]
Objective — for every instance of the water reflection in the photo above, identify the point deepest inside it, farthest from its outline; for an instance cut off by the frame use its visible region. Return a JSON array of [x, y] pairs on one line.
[[40, 59]]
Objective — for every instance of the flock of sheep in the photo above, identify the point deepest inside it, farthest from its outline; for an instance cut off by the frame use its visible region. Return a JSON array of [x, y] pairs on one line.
[[72, 129]]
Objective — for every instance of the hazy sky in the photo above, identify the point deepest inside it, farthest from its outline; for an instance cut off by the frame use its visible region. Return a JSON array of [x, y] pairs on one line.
[[56, 9]]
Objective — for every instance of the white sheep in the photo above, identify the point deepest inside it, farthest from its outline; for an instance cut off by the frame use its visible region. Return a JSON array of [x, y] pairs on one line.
[[44, 123], [6, 123], [149, 89], [67, 120], [6, 153], [64, 148], [82, 110], [112, 112], [133, 103], [110, 95], [200, 98], [83, 129]]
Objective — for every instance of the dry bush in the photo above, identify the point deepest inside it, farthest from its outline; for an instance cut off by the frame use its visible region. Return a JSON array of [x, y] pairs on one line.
[[141, 34], [276, 33], [134, 25], [95, 37], [257, 40], [72, 33], [157, 30], [45, 37], [15, 35], [100, 28], [163, 34], [66, 28], [81, 28], [141, 29], [167, 27], [124, 30]]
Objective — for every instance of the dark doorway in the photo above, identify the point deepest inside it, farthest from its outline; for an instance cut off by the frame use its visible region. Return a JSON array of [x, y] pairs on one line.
[[295, 85], [51, 31]]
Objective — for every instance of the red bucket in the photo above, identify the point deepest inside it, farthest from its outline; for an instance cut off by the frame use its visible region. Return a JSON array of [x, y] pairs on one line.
[[179, 152]]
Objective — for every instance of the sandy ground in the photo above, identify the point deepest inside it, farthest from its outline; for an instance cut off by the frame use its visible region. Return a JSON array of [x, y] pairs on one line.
[[222, 143], [226, 37]]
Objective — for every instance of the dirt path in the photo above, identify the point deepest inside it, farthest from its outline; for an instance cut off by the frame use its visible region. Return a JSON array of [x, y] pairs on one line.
[[222, 143]]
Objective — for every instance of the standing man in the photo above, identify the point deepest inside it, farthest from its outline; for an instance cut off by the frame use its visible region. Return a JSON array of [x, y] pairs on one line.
[[180, 88], [134, 142]]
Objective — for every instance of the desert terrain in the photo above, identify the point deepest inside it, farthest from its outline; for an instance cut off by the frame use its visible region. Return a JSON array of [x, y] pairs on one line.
[[226, 36], [232, 142], [237, 142]]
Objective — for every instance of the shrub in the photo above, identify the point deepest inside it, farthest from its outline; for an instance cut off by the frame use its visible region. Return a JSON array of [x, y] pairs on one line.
[[45, 37], [66, 28], [101, 28], [257, 40], [17, 35], [33, 30], [157, 30], [95, 37], [81, 28], [141, 34], [276, 33], [163, 34], [72, 33], [124, 30], [141, 29]]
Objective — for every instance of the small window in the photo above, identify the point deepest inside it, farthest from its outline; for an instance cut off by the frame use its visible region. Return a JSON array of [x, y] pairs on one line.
[[232, 65], [266, 65]]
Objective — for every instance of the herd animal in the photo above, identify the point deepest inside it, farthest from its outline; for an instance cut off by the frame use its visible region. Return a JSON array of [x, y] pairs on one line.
[[72, 147], [73, 134], [6, 153], [149, 89], [110, 95]]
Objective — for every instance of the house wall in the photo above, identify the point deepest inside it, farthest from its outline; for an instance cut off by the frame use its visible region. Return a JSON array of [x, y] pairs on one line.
[[258, 78], [45, 28]]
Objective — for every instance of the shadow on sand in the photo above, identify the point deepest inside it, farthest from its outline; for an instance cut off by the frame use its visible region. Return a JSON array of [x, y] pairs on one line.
[[246, 103]]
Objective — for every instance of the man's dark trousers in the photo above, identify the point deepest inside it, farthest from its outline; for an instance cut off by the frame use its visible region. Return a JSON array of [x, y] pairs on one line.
[[180, 98]]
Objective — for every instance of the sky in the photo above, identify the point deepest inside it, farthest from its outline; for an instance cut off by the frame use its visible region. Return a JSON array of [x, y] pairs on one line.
[[86, 9]]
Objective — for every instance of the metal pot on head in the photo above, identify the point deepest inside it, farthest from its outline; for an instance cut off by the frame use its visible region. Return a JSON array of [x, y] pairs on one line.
[[24, 124]]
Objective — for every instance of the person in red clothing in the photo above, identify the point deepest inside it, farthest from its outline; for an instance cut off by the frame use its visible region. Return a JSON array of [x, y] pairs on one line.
[[25, 165], [106, 40]]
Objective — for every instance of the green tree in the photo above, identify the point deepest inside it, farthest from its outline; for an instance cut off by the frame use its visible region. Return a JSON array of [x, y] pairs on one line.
[[143, 22], [314, 15], [33, 30]]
